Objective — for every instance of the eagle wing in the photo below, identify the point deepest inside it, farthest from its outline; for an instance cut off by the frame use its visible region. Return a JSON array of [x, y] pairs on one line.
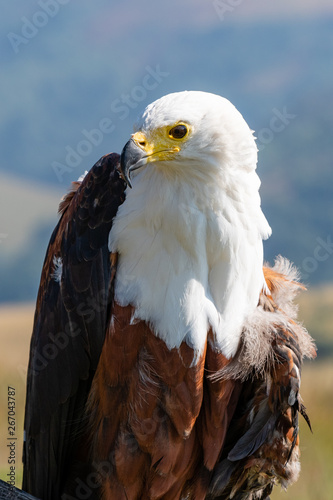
[[69, 328], [261, 448]]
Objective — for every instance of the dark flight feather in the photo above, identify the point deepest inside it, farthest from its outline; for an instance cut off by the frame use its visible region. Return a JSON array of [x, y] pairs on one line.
[[69, 328]]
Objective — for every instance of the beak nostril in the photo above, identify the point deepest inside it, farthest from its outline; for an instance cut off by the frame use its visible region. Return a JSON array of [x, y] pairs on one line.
[[142, 143]]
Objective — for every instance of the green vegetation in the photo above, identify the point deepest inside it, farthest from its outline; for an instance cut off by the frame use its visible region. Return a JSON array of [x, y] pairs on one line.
[[316, 311], [25, 228]]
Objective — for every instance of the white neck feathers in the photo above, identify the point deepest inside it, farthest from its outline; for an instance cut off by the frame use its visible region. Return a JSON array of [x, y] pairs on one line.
[[190, 255]]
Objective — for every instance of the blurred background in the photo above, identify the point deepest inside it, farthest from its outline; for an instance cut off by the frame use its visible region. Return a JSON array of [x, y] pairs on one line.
[[74, 76]]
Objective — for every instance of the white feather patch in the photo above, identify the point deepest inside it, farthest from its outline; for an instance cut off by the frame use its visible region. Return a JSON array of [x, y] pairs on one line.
[[80, 179], [189, 234], [183, 266], [57, 271]]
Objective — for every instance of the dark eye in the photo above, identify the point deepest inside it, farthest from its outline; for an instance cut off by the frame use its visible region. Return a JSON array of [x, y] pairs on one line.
[[178, 132]]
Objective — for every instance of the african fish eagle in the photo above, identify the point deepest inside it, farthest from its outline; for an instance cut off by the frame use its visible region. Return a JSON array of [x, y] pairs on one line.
[[165, 358]]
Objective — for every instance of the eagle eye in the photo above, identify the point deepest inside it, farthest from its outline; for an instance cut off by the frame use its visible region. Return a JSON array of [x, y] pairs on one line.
[[178, 131]]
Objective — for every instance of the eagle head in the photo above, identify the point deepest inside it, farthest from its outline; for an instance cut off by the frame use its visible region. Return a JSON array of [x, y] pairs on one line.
[[190, 133]]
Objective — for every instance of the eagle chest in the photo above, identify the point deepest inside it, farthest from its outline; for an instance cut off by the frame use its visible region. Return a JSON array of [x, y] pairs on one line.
[[156, 414]]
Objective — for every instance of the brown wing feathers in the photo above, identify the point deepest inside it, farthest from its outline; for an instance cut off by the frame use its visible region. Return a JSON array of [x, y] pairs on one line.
[[69, 330], [261, 448]]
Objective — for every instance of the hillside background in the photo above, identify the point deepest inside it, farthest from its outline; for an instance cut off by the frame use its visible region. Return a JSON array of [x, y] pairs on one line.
[[67, 67]]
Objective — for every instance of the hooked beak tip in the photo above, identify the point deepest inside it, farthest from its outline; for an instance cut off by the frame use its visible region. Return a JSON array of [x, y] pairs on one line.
[[132, 158], [128, 181]]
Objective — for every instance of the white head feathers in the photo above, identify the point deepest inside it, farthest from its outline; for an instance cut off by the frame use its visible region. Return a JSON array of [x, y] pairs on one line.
[[219, 131]]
